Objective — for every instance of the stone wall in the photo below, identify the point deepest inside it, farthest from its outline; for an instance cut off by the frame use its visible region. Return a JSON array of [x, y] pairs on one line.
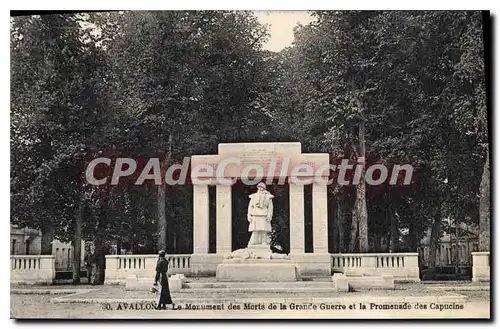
[[120, 267], [402, 266], [481, 266], [32, 269]]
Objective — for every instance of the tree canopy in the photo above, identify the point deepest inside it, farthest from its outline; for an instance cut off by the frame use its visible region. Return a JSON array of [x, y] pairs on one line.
[[392, 87]]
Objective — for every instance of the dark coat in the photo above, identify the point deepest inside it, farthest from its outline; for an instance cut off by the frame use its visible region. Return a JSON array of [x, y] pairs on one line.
[[161, 276], [161, 270]]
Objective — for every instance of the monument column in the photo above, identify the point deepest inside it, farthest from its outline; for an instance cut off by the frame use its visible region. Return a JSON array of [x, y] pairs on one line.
[[320, 218], [200, 219], [296, 194], [223, 215]]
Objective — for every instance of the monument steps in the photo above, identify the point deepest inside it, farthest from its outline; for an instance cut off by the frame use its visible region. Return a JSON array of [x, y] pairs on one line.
[[340, 297], [257, 290], [260, 285]]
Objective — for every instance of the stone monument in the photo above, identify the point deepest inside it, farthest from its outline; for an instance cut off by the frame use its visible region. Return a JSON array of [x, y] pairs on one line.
[[257, 262], [276, 161]]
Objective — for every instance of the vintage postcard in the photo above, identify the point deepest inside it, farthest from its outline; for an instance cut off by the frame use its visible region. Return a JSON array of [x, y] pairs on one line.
[[250, 165]]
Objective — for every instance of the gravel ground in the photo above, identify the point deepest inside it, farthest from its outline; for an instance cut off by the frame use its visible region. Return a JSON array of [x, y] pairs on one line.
[[477, 296], [120, 292], [40, 305], [51, 287]]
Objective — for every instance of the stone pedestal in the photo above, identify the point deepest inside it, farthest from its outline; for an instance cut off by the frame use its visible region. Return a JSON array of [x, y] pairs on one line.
[[258, 270], [480, 266], [340, 282], [343, 283], [313, 264], [133, 282], [260, 251], [205, 264]]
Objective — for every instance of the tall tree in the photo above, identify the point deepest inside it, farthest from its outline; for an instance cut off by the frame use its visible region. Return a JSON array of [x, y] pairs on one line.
[[56, 113]]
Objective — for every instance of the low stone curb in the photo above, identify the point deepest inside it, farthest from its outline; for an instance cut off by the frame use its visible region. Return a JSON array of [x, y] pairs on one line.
[[464, 288], [259, 285], [21, 291], [340, 300], [258, 290]]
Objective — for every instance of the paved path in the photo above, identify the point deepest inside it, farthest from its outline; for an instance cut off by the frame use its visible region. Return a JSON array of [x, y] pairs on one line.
[[115, 302], [39, 306]]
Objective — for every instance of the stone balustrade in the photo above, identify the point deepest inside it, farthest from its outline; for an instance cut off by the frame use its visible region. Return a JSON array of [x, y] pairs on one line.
[[32, 269], [402, 266], [119, 267], [481, 266]]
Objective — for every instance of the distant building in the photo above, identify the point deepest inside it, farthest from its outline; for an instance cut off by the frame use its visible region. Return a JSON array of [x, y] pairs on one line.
[[447, 253], [27, 241]]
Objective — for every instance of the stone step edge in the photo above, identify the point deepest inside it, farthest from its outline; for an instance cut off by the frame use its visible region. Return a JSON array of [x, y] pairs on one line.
[[27, 291], [298, 284], [366, 299], [465, 288], [258, 290]]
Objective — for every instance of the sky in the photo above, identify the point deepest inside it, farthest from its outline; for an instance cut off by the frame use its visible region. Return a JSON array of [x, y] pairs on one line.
[[281, 26]]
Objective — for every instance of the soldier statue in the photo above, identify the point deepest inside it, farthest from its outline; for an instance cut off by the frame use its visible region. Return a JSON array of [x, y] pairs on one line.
[[260, 213]]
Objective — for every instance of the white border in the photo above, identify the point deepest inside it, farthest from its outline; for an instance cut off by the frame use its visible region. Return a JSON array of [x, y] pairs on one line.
[[200, 4]]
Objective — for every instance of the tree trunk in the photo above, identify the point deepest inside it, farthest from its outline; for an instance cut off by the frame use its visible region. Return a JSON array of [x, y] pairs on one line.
[[162, 218], [77, 242], [456, 253], [100, 259], [413, 233], [360, 205], [353, 241], [118, 247], [345, 213], [46, 243], [394, 241], [484, 206], [434, 240], [161, 202], [340, 226]]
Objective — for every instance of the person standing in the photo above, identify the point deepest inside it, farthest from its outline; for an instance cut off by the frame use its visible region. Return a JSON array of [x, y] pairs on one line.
[[88, 264], [161, 277]]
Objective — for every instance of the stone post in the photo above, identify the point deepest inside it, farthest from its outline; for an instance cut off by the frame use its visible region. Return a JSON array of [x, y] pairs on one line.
[[296, 195], [223, 214], [320, 218], [368, 263], [480, 266], [201, 261], [111, 271], [200, 219], [411, 268]]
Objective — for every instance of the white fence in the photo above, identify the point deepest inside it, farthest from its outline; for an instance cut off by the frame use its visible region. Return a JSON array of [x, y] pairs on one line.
[[403, 266], [32, 269], [119, 267], [481, 266]]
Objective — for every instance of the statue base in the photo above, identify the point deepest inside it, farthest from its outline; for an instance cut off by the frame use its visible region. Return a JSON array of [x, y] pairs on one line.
[[258, 270], [257, 264]]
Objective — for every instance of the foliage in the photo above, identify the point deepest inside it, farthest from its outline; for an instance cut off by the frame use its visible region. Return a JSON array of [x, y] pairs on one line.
[[175, 84]]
